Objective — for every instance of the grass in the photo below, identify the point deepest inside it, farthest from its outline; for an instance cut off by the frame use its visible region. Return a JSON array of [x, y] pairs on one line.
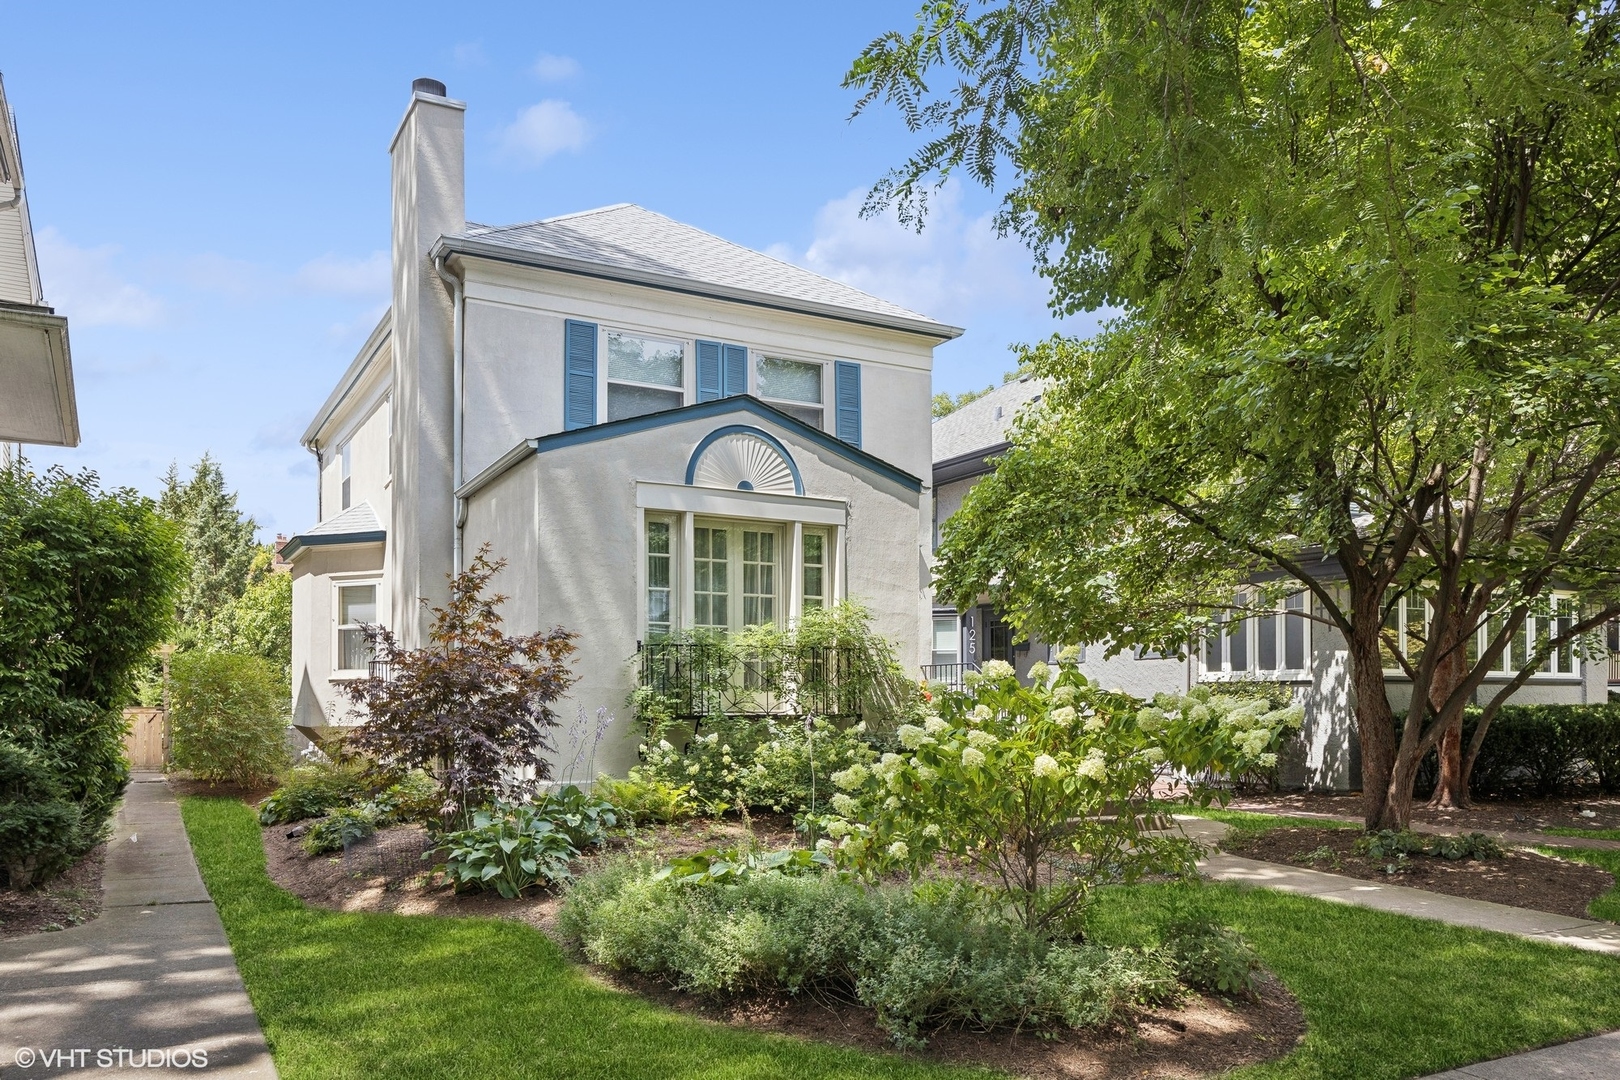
[[352, 995], [366, 995], [1247, 821], [1606, 906], [1590, 834]]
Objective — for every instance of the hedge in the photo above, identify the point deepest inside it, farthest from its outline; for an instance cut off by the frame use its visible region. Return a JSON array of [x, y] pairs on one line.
[[1540, 750]]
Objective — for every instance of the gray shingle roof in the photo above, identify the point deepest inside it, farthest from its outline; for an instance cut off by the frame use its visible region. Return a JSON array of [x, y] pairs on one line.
[[632, 243], [356, 525], [984, 423]]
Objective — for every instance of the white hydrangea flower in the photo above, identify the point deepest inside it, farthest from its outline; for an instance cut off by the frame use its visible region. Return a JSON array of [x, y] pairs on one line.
[[844, 805], [692, 769], [1064, 714], [837, 829], [925, 774], [1267, 760], [998, 669], [891, 803], [1153, 755], [1094, 767], [934, 725], [850, 778], [981, 740], [931, 831], [1069, 654], [899, 850], [981, 712], [1095, 723], [1063, 695], [663, 745], [1045, 765], [825, 846], [972, 758], [912, 736], [1038, 673], [714, 737], [1150, 719]]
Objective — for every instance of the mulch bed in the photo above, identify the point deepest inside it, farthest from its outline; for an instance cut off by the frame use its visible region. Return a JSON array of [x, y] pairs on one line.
[[1495, 815], [248, 793], [1519, 878], [69, 899], [1202, 1037]]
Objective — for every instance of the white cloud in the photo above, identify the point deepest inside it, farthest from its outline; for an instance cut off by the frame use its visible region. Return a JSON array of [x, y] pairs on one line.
[[543, 130], [469, 54], [548, 68], [954, 268], [82, 284], [336, 274]]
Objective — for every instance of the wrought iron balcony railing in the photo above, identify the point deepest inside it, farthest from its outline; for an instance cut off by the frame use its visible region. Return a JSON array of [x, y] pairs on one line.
[[708, 678], [953, 676]]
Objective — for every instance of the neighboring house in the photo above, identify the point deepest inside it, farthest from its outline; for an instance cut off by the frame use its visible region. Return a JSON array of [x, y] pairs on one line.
[[656, 428], [1273, 646], [36, 369]]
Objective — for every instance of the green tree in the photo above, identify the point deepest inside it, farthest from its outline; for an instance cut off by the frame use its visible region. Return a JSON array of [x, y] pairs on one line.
[[259, 622], [945, 404], [217, 537], [1368, 263], [230, 716], [88, 580]]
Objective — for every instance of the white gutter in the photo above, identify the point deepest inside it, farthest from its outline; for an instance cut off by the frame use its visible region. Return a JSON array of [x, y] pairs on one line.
[[458, 296]]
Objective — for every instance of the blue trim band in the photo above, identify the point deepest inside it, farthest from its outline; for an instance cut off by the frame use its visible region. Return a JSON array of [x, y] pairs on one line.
[[743, 429], [299, 543], [741, 403]]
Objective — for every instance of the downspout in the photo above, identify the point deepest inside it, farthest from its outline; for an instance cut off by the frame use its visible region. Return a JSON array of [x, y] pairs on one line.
[[458, 296]]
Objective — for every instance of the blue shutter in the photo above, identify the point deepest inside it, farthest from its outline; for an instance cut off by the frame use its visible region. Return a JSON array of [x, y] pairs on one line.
[[734, 370], [708, 363], [579, 374], [847, 399]]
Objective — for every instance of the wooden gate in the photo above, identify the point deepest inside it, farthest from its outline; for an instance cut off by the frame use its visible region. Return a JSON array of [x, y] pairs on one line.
[[143, 746]]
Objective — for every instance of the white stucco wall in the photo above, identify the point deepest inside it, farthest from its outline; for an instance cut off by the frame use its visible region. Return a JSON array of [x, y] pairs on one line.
[[567, 522], [317, 698], [367, 434]]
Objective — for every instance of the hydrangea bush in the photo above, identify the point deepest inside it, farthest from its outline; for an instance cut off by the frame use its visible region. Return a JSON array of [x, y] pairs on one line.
[[1046, 791]]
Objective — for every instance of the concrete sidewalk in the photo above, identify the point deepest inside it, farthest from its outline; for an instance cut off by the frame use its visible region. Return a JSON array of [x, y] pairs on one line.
[[1597, 1058], [153, 975]]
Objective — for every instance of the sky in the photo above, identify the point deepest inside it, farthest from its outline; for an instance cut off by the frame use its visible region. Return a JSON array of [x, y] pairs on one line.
[[209, 190]]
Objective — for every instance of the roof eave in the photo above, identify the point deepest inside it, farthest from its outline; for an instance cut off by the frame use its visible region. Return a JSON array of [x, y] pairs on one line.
[[301, 543], [352, 376], [483, 249], [52, 360]]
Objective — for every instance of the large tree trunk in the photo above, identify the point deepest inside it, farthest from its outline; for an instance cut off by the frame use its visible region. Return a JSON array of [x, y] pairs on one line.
[[1451, 789], [1374, 720]]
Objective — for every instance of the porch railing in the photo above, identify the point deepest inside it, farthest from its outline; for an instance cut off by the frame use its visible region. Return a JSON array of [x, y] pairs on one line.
[[952, 675], [1614, 669], [704, 679]]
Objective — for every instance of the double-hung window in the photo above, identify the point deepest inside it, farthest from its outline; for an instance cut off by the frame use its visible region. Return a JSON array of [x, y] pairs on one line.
[[1409, 618], [356, 607], [815, 578], [793, 386], [644, 375], [660, 576], [345, 469], [1269, 643]]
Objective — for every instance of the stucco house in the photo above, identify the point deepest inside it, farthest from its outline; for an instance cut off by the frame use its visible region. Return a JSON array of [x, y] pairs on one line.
[[1273, 646], [36, 368], [656, 428]]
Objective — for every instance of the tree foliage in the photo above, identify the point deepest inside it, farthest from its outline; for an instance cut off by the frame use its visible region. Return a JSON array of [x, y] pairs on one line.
[[473, 706], [1367, 260], [259, 622], [87, 586], [218, 539], [229, 716]]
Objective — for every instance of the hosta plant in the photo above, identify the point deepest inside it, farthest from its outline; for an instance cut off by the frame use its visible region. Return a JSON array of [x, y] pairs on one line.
[[583, 819], [508, 848], [1046, 791]]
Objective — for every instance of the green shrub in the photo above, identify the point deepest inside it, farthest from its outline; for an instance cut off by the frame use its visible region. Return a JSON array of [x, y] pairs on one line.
[[713, 865], [922, 960], [1539, 750], [508, 848], [1475, 845], [228, 716], [311, 790], [40, 827], [341, 828], [1390, 844], [412, 799], [645, 798], [1207, 955]]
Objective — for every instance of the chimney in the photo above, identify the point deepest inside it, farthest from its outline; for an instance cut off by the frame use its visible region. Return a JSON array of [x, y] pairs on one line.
[[428, 202]]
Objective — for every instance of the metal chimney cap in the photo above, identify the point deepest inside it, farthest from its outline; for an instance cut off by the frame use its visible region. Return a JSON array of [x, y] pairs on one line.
[[429, 86]]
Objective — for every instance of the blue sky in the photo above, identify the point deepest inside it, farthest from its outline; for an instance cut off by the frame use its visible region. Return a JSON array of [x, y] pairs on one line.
[[209, 189]]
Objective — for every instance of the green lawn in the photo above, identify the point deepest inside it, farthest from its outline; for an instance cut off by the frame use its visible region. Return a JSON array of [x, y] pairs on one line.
[[1606, 906], [352, 995], [1248, 821], [1590, 834]]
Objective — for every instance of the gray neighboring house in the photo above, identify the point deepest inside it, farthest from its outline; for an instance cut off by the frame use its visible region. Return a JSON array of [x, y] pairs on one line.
[[36, 368], [656, 428], [1273, 646]]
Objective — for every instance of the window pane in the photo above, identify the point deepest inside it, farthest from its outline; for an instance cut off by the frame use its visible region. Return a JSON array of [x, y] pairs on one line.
[[1294, 634], [357, 604], [1267, 644], [809, 414], [1237, 645], [815, 578], [1212, 647], [709, 578], [946, 638], [627, 401], [658, 577], [353, 653], [759, 577], [641, 359], [790, 380]]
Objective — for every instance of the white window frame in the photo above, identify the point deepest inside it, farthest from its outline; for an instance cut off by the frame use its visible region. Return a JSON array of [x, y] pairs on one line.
[[786, 404], [603, 380], [339, 583], [1250, 628], [1531, 630]]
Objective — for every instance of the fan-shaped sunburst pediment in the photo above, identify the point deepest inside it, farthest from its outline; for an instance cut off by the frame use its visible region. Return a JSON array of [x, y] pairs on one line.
[[744, 461]]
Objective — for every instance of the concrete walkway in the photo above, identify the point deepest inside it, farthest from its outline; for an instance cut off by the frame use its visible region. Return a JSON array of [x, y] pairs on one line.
[[153, 976], [1509, 837]]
